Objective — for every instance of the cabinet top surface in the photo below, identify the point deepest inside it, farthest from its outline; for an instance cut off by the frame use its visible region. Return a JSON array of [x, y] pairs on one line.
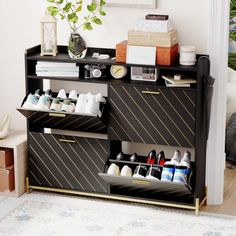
[[15, 138], [62, 56]]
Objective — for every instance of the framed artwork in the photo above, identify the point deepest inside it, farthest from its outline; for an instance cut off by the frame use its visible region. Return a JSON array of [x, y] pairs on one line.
[[132, 3]]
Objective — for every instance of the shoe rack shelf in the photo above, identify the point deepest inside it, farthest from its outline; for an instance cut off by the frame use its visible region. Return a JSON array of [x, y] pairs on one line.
[[39, 119], [137, 112]]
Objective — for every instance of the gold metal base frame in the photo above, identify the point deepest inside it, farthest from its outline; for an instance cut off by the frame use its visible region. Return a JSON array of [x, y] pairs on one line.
[[196, 208]]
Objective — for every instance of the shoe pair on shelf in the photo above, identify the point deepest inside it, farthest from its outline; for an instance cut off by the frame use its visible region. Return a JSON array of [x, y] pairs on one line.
[[154, 158], [72, 95], [139, 172], [177, 169], [121, 157], [38, 100], [150, 173], [176, 160], [115, 170], [89, 104], [65, 106]]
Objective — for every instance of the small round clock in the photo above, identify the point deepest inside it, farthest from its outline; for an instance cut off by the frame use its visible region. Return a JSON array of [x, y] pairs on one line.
[[118, 72]]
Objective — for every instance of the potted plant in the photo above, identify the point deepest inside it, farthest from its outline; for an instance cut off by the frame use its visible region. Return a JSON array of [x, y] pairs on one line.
[[232, 35], [71, 11]]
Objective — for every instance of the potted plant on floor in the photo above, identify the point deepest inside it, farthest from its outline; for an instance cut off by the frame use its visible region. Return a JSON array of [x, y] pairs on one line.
[[71, 11]]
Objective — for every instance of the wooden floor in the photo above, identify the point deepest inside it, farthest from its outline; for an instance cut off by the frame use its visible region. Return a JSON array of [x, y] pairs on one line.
[[229, 205]]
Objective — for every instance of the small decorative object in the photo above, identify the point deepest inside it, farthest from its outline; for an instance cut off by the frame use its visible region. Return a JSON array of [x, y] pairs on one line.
[[4, 127], [144, 73], [48, 35], [94, 71], [118, 72], [70, 11], [187, 55]]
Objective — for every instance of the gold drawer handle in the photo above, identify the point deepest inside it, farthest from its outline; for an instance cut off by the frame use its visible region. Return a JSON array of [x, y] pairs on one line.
[[151, 92], [142, 182], [57, 115], [67, 140]]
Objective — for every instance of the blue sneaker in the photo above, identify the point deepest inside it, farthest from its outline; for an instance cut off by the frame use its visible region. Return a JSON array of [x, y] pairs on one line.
[[30, 102], [181, 174], [167, 172], [43, 103]]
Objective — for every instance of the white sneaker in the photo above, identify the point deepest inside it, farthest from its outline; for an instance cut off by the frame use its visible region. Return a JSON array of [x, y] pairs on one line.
[[62, 94], [56, 105], [43, 103], [73, 95], [185, 161], [68, 106], [126, 171], [113, 170], [92, 106], [81, 103], [30, 102], [175, 160]]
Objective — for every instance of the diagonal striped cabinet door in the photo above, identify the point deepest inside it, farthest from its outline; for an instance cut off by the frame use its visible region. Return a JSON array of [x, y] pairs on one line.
[[68, 162], [148, 114]]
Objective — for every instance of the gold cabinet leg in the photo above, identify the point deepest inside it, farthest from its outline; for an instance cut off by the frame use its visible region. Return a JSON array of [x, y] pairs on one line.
[[27, 185], [197, 206]]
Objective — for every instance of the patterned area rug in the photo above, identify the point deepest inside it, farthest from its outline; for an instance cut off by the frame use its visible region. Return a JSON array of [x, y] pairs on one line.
[[44, 214]]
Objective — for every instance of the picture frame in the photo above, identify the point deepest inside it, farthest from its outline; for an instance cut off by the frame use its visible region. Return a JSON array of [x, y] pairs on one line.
[[148, 4]]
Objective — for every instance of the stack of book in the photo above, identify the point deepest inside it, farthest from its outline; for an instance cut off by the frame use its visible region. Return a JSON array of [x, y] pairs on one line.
[[184, 82], [56, 69]]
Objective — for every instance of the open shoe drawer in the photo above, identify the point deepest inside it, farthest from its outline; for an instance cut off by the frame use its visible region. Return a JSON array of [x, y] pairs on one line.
[[65, 120], [146, 188]]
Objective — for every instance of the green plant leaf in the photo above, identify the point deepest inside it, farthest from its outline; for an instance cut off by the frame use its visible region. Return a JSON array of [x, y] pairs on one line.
[[72, 17], [79, 8], [50, 0], [60, 1], [62, 16], [232, 35], [102, 13], [102, 3], [53, 11], [92, 7], [97, 21], [67, 7], [88, 26]]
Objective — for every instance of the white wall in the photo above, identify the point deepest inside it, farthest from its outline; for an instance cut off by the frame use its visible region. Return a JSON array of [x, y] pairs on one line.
[[19, 24]]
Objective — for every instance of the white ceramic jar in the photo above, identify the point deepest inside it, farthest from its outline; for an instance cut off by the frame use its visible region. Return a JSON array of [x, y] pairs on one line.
[[187, 55]]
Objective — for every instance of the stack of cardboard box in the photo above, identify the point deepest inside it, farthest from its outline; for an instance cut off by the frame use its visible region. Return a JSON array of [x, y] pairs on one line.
[[164, 40], [6, 170]]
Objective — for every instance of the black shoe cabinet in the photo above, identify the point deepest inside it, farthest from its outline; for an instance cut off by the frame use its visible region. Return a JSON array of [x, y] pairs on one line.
[[136, 111]]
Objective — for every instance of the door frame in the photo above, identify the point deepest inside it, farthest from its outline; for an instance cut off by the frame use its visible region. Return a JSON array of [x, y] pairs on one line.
[[218, 50]]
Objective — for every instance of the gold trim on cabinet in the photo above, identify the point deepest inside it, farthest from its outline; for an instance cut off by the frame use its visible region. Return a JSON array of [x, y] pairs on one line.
[[142, 182], [113, 197], [197, 206], [67, 140], [56, 115], [151, 92], [27, 185]]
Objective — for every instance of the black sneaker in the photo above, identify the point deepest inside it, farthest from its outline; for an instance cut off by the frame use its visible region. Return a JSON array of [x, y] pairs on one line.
[[134, 157], [154, 173], [140, 172], [120, 156]]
